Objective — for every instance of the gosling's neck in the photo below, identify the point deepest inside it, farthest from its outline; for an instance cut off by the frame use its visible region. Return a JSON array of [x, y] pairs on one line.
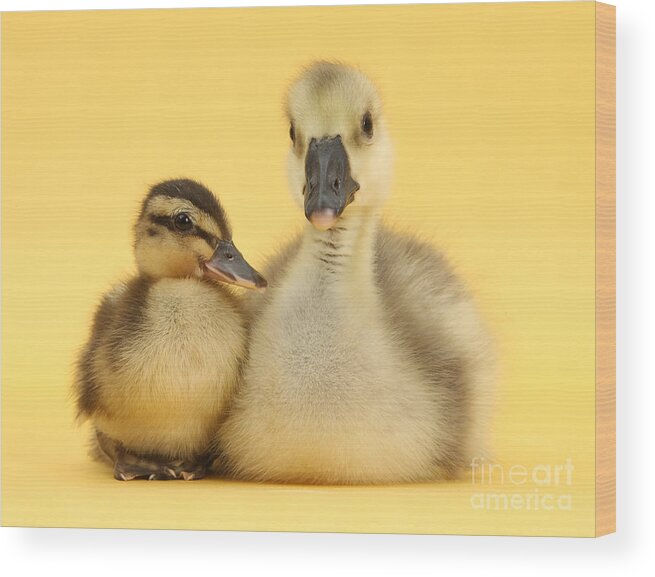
[[345, 254]]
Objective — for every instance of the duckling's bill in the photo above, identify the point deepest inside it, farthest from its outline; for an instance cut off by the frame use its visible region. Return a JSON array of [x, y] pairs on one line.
[[228, 265]]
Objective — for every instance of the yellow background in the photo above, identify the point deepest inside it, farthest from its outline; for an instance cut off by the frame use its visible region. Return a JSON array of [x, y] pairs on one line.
[[491, 108]]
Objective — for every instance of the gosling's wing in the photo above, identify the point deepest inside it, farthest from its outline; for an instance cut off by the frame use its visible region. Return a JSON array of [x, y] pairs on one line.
[[438, 322], [425, 297], [417, 281]]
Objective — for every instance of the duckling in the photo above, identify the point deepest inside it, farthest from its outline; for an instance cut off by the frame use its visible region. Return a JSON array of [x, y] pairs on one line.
[[166, 346], [368, 360]]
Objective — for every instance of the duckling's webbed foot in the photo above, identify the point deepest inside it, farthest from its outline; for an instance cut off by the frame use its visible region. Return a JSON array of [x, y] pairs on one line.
[[190, 470], [128, 467]]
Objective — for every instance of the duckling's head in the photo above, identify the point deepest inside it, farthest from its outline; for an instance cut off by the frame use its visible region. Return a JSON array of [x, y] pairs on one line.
[[182, 231], [341, 155]]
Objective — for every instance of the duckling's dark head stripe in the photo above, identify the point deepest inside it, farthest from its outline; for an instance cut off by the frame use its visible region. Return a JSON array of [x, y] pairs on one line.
[[167, 221], [196, 194]]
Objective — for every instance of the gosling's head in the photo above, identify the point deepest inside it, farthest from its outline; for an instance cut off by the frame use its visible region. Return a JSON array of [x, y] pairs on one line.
[[182, 231], [340, 158]]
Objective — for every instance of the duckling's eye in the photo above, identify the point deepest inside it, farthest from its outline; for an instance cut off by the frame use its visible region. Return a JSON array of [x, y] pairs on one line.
[[183, 222], [292, 133], [367, 124]]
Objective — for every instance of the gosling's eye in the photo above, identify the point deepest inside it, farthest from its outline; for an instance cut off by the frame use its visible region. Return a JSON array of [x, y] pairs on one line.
[[292, 133], [183, 222], [367, 124]]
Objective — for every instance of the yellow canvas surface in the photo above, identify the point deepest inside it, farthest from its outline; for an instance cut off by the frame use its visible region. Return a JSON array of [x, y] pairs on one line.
[[491, 110]]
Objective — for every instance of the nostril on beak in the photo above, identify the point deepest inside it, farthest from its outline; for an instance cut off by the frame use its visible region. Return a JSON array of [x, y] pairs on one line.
[[336, 185]]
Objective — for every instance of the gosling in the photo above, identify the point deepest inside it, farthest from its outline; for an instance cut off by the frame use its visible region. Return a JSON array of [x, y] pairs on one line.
[[368, 360]]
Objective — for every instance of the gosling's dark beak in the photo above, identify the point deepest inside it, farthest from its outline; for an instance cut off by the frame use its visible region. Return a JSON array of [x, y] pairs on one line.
[[228, 265], [329, 187]]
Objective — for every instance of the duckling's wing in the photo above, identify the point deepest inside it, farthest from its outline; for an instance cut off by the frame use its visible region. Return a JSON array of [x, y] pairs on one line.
[[87, 380]]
